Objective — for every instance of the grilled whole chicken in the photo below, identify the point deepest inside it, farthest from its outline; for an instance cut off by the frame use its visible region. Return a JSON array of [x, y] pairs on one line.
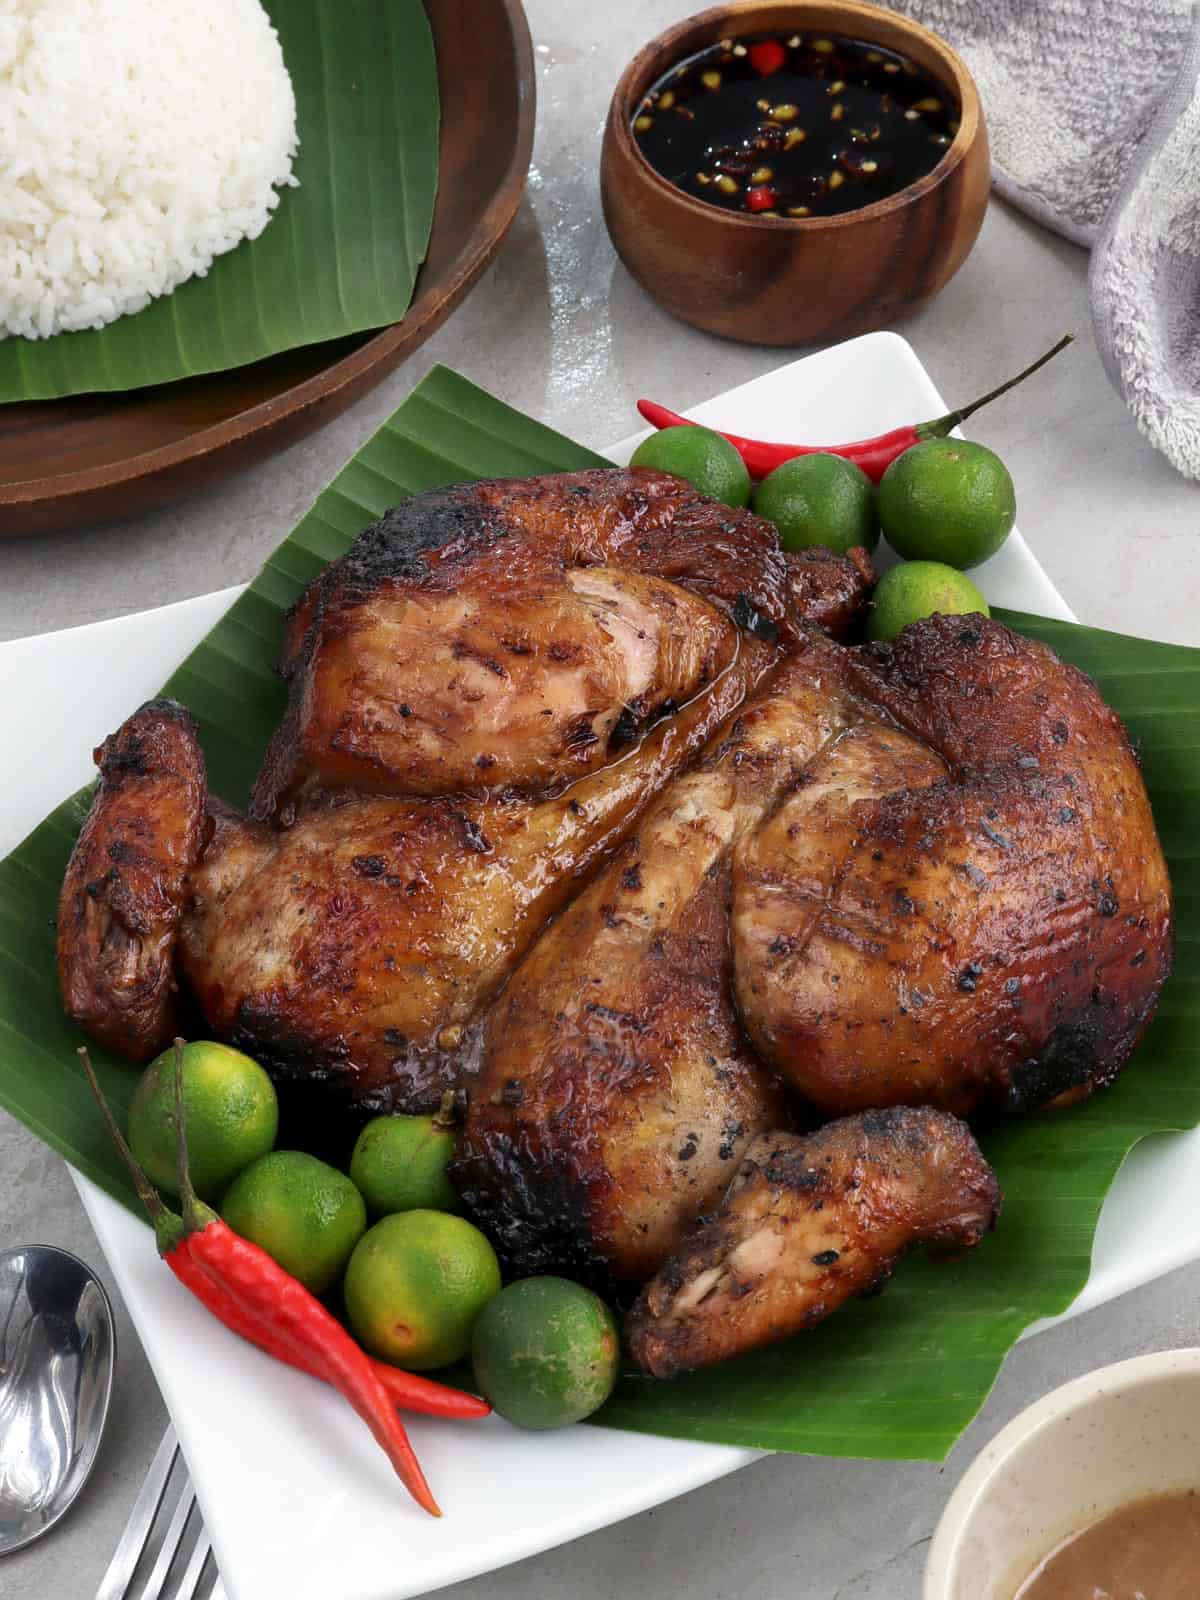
[[810, 1220], [574, 810]]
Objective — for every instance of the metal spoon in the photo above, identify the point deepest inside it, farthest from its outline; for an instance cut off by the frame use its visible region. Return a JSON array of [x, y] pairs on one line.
[[56, 1368]]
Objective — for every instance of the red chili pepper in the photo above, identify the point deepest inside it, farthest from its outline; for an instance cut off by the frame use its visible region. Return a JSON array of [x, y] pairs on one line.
[[407, 1390], [273, 1310], [761, 198], [303, 1328], [874, 456], [766, 57]]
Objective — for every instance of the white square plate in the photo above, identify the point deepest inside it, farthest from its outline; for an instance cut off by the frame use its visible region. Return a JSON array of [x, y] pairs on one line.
[[298, 1499]]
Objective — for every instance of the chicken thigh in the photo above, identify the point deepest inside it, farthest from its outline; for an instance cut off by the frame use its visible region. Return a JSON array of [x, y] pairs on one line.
[[975, 912], [916, 915]]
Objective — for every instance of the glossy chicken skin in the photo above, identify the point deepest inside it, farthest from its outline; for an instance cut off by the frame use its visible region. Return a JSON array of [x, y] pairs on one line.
[[498, 635], [124, 887], [809, 1221], [361, 944], [616, 1091], [975, 912]]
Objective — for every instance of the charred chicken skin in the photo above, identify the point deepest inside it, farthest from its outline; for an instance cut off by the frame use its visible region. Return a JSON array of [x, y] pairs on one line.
[[577, 810]]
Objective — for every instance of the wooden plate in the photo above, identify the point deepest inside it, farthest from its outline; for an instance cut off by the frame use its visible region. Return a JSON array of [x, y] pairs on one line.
[[90, 458]]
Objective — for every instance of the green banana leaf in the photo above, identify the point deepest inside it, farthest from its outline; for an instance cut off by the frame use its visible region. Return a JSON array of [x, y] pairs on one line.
[[340, 254], [898, 1376]]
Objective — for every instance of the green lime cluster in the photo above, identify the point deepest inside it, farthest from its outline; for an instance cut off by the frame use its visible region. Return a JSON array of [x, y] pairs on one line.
[[944, 505], [420, 1286]]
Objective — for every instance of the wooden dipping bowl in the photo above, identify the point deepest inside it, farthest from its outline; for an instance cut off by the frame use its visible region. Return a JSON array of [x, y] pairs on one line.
[[784, 280]]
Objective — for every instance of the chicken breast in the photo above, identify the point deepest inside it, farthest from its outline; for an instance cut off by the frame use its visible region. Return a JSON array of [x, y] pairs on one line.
[[809, 1221], [539, 690], [359, 946]]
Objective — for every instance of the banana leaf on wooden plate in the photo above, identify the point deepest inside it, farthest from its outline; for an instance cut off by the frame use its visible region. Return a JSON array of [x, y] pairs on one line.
[[416, 121], [341, 252], [897, 1376]]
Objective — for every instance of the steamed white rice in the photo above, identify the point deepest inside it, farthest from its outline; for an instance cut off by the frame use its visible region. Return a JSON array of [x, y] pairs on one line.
[[138, 140]]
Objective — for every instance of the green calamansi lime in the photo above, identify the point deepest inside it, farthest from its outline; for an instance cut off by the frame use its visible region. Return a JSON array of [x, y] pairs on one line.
[[917, 589], [230, 1110], [306, 1215], [546, 1352], [708, 462], [399, 1164], [415, 1285], [820, 499], [947, 500]]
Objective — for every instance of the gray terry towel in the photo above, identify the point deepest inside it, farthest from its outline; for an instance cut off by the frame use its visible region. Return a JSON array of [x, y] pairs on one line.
[[1093, 111]]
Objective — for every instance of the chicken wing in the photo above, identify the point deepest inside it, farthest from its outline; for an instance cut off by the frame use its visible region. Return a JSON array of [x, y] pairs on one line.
[[809, 1221], [124, 887]]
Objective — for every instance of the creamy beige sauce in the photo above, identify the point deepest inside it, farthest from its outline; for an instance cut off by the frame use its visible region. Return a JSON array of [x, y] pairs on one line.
[[1149, 1550]]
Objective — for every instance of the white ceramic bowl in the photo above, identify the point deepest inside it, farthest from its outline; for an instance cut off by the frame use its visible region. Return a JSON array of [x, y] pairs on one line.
[[1115, 1435]]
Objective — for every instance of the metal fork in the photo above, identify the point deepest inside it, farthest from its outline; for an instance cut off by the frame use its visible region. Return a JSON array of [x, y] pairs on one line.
[[170, 1554]]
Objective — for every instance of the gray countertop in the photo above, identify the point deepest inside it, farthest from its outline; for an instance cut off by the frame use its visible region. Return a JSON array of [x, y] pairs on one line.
[[559, 329]]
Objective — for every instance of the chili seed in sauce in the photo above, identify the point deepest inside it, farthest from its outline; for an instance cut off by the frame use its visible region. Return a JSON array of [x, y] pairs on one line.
[[716, 122]]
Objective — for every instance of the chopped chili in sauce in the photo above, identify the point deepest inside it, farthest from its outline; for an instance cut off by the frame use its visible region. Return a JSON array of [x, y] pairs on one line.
[[795, 125]]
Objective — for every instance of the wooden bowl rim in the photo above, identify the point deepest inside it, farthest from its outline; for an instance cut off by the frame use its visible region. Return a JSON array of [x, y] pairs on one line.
[[375, 353], [654, 58]]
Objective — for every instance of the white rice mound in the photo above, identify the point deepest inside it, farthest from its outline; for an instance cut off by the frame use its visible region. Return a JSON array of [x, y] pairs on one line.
[[138, 140]]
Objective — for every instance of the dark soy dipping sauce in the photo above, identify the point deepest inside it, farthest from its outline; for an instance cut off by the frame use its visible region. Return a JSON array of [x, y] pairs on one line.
[[1149, 1550], [795, 125]]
